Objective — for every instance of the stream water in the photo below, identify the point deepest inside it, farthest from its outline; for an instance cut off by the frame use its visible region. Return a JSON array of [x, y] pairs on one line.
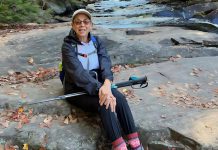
[[136, 14]]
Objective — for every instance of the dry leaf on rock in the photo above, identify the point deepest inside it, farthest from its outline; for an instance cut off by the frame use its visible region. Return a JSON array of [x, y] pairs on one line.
[[47, 122], [116, 68], [24, 119], [10, 148], [195, 72], [9, 145], [128, 93], [40, 75], [75, 120], [23, 95], [70, 119], [126, 66], [25, 146], [14, 116], [20, 110], [19, 115], [66, 120], [216, 91], [30, 61], [175, 58], [159, 91]]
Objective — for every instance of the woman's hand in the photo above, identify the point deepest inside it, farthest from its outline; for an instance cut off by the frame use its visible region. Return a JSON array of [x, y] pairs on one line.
[[106, 97], [111, 101]]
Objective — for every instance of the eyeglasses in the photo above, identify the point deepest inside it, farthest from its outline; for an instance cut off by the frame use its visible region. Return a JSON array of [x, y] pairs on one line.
[[79, 22]]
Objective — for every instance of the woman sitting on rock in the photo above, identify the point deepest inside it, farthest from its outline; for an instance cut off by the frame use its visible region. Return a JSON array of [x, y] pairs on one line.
[[83, 53]]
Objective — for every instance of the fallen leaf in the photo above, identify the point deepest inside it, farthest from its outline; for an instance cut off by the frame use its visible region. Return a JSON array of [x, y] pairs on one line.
[[126, 66], [116, 68], [124, 90], [30, 61], [72, 119], [40, 75], [66, 120], [25, 146], [195, 72], [20, 109], [48, 121], [216, 90], [128, 93], [24, 119], [75, 120], [23, 95], [9, 145], [173, 58], [10, 148]]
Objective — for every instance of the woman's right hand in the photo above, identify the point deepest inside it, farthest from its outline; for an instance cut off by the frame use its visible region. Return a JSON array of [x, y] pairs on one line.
[[111, 101], [106, 97]]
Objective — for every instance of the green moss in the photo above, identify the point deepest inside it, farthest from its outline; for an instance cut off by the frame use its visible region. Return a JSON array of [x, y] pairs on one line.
[[22, 11]]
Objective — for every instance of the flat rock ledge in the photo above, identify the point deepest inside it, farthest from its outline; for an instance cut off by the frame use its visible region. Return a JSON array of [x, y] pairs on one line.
[[176, 111]]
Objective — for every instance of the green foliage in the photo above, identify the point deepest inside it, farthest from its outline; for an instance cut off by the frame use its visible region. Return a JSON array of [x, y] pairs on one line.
[[22, 11], [77, 2]]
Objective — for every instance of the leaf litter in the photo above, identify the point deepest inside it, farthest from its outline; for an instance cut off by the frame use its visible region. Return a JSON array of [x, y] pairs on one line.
[[191, 94], [119, 68], [42, 74], [175, 58], [185, 95], [18, 115]]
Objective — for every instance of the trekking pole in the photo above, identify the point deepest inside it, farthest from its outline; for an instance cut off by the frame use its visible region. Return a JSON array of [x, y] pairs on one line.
[[133, 80]]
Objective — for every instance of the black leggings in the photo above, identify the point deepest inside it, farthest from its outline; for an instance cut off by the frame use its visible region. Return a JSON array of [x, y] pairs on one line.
[[108, 118]]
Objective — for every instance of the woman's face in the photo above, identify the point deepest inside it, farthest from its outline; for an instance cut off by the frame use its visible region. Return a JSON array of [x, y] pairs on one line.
[[82, 25]]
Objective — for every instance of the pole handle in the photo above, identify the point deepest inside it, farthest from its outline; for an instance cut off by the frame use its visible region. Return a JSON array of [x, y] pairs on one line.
[[133, 80]]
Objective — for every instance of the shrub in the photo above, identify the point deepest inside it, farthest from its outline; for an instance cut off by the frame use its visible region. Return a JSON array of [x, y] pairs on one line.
[[22, 11]]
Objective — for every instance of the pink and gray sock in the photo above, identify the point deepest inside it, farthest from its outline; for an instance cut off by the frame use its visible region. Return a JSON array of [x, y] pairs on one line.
[[119, 144], [133, 140]]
